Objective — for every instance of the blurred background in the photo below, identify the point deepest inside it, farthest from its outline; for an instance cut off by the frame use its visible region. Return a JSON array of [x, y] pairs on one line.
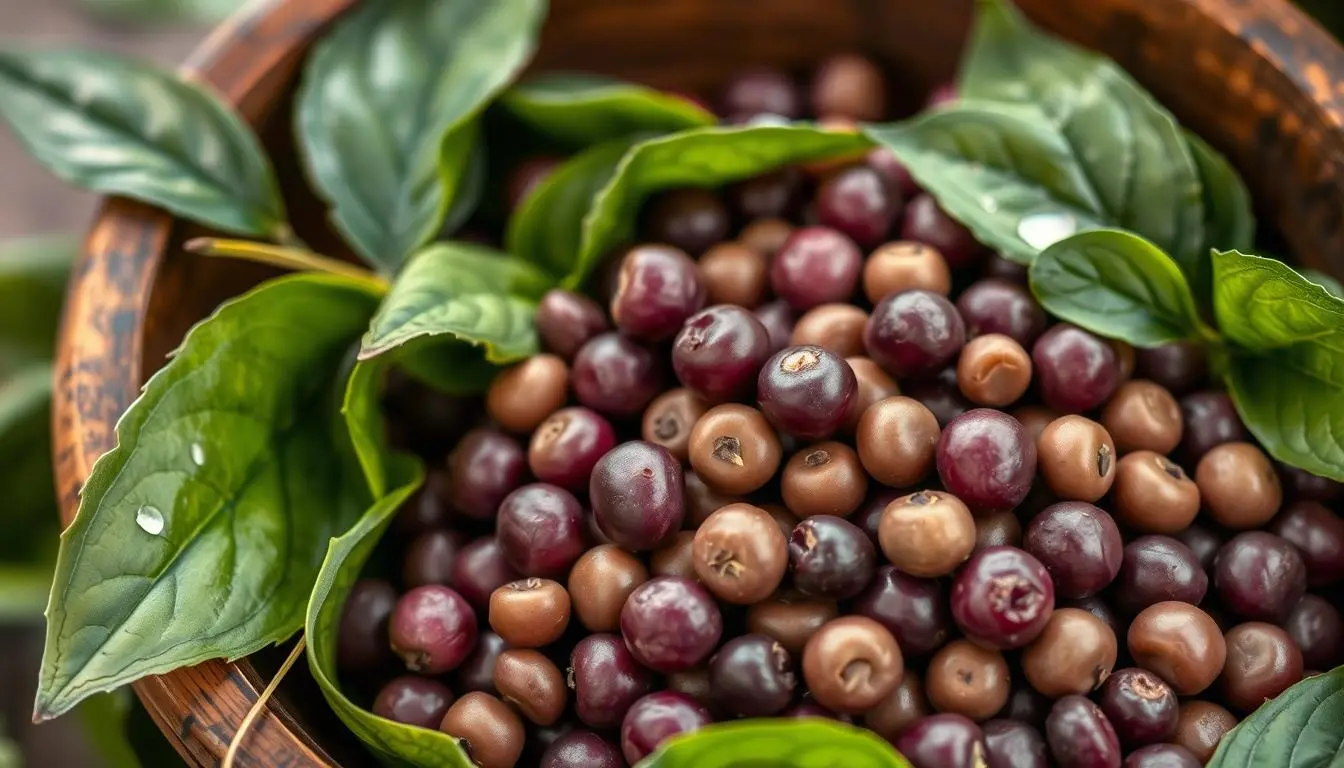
[[40, 224]]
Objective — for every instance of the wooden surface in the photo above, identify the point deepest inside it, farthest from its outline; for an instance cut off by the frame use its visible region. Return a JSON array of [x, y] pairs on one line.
[[1255, 77]]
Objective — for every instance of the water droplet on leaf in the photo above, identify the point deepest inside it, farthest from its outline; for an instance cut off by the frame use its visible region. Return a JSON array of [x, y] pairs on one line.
[[1042, 230], [150, 520], [198, 454]]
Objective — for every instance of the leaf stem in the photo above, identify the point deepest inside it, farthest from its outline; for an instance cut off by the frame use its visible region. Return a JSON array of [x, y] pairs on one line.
[[297, 259], [241, 734]]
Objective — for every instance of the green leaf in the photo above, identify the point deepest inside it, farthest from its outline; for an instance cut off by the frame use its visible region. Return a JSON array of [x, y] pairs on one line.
[[1292, 408], [1228, 221], [387, 106], [1129, 147], [1012, 178], [33, 273], [701, 157], [363, 414], [121, 127], [579, 110], [200, 534], [10, 756], [446, 365], [470, 190], [806, 743], [1296, 729], [547, 230], [1263, 304], [1118, 285], [461, 291], [395, 744]]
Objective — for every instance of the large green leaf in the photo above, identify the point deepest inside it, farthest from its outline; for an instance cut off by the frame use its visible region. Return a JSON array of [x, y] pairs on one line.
[[1008, 175], [1228, 221], [1294, 407], [387, 107], [547, 230], [465, 292], [1262, 304], [700, 157], [200, 534], [1118, 285], [124, 128], [1130, 148], [33, 273], [579, 110], [395, 744], [1299, 728], [777, 743]]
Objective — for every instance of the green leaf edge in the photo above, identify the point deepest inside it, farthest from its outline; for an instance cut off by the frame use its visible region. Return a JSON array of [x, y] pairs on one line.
[[529, 103], [1233, 753], [593, 242], [344, 551]]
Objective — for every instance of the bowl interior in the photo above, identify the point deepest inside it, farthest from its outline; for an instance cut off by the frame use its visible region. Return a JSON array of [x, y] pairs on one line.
[[694, 45]]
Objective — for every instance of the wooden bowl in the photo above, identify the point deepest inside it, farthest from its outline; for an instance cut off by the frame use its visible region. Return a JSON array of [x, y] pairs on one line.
[[1256, 78]]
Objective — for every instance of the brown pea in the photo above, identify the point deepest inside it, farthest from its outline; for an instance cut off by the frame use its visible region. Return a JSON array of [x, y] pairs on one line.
[[997, 529], [874, 384], [1153, 494], [993, 370], [967, 680], [1262, 661], [532, 683], [789, 620], [928, 533], [904, 266], [734, 273], [1180, 644], [766, 236], [521, 397], [734, 449], [491, 734], [669, 419], [836, 328], [898, 440], [1076, 457], [740, 554], [529, 613], [1200, 728], [824, 479], [676, 559], [1238, 486], [701, 500], [1143, 416], [850, 86], [899, 710], [852, 664], [1075, 653], [1035, 418], [600, 581]]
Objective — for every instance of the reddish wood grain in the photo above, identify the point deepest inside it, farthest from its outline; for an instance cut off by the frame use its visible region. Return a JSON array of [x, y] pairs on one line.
[[1255, 77]]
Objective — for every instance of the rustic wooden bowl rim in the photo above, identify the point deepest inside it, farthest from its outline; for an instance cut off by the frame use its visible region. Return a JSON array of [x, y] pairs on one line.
[[99, 367]]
